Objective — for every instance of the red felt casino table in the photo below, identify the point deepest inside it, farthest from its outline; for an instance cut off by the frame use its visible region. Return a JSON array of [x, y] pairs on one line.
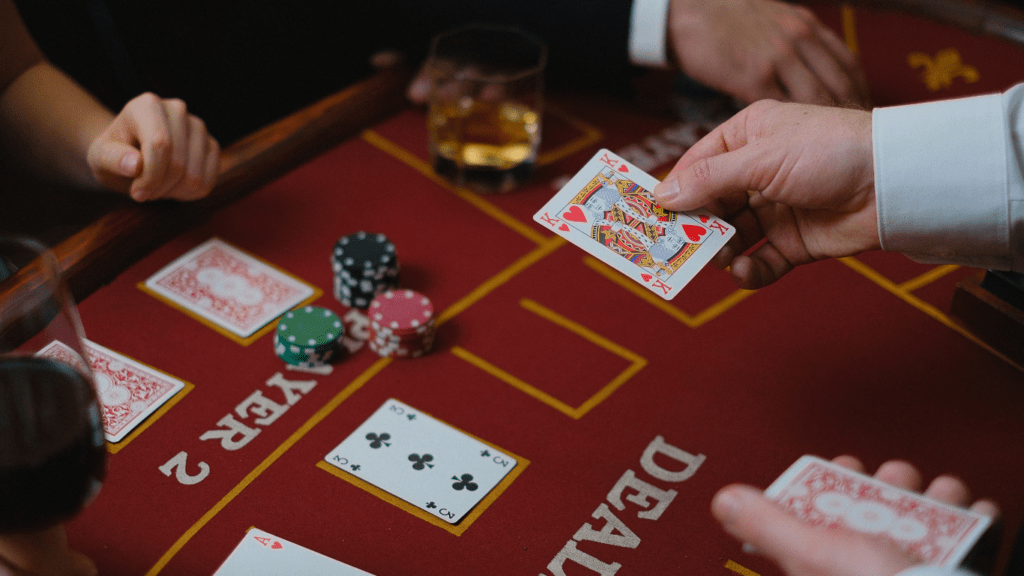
[[549, 355]]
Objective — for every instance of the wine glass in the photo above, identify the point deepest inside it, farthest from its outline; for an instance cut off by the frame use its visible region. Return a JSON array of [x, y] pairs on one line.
[[52, 447]]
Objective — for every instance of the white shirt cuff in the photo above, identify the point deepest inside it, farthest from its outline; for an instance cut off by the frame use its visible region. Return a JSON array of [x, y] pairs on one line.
[[941, 181], [648, 26]]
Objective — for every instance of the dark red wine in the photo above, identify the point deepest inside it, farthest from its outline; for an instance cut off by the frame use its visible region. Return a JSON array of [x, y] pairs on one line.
[[52, 449]]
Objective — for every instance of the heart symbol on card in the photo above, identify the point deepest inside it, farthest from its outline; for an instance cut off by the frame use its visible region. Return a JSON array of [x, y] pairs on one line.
[[575, 214], [694, 232], [276, 545], [704, 218], [623, 168], [564, 227], [646, 277]]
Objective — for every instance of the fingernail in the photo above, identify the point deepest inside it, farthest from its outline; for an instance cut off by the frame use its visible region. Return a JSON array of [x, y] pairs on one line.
[[726, 505], [129, 162], [749, 549], [668, 190]]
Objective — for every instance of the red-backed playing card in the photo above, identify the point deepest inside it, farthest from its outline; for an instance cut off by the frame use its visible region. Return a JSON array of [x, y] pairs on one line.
[[826, 494]]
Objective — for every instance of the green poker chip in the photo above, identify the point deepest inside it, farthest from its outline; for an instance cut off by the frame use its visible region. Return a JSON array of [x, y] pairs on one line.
[[310, 327]]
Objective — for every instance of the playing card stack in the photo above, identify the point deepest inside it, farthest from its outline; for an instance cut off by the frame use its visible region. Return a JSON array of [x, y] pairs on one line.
[[401, 324], [365, 266], [308, 337]]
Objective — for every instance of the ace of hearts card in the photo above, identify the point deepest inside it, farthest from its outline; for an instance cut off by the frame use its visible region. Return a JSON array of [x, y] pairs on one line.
[[608, 209]]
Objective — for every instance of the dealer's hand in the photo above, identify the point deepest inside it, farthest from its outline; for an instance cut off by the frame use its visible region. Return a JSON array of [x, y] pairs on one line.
[[800, 177], [802, 550]]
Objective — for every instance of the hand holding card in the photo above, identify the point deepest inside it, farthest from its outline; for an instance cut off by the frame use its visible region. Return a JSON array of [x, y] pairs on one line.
[[825, 517], [608, 210]]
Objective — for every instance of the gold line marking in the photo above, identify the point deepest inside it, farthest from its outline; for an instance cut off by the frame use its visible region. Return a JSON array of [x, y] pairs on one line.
[[478, 201], [740, 569], [708, 314], [548, 246], [313, 420], [591, 135], [850, 29], [637, 363], [927, 278], [877, 278]]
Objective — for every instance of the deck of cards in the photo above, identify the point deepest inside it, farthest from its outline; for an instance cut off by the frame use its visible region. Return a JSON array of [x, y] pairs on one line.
[[608, 209], [825, 494]]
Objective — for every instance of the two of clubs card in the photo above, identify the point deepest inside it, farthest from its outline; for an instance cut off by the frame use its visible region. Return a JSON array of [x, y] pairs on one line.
[[608, 209], [423, 461], [822, 493]]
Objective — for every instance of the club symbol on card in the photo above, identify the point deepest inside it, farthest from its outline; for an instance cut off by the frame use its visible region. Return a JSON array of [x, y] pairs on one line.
[[485, 453], [411, 416], [464, 483], [421, 462], [431, 505], [355, 467], [378, 440]]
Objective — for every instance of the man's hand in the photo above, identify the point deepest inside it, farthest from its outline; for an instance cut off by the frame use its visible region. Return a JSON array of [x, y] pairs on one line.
[[756, 49], [799, 177], [802, 550], [155, 149]]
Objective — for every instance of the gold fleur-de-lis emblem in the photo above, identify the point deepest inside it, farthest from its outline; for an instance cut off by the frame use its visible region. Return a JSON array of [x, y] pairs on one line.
[[940, 71]]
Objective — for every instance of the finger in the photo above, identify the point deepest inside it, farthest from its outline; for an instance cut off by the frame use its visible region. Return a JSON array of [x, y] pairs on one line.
[[418, 91], [900, 474], [116, 159], [837, 85], [849, 462], [726, 175], [848, 60], [756, 521], [761, 268], [193, 184], [950, 490], [148, 124], [801, 83], [178, 127], [212, 168], [986, 507]]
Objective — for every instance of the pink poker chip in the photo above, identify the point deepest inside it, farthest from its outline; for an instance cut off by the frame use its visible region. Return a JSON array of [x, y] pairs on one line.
[[401, 310]]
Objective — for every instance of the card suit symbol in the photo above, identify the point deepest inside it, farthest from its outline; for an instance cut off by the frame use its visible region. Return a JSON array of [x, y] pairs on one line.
[[646, 277], [464, 483], [694, 232], [704, 218], [276, 545], [623, 168], [431, 505], [485, 453], [575, 214], [564, 227], [421, 462], [378, 440]]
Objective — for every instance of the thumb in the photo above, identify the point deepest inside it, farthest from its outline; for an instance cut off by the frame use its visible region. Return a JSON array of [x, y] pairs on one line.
[[751, 518], [117, 159]]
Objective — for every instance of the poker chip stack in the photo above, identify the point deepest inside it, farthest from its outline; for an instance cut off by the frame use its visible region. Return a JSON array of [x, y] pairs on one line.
[[365, 266], [308, 337], [401, 324]]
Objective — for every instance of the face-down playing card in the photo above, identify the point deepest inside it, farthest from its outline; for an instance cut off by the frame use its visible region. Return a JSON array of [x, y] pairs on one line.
[[228, 288], [263, 554], [825, 494], [608, 209], [430, 465], [128, 391]]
